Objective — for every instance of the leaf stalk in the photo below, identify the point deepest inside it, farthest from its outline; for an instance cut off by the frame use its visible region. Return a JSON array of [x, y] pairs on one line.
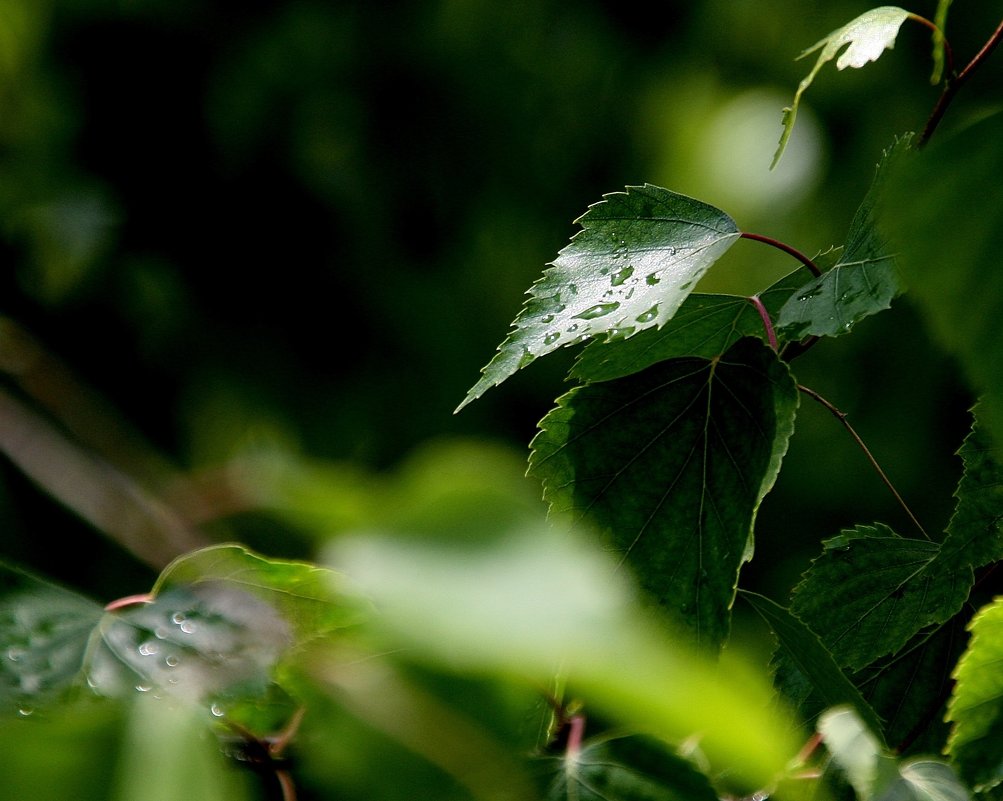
[[797, 254]]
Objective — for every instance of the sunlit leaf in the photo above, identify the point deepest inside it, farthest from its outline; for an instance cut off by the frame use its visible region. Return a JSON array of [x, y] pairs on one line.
[[705, 325], [862, 282], [945, 214], [542, 602], [803, 648], [626, 769], [303, 594], [871, 591], [865, 39], [672, 464], [637, 257], [976, 707]]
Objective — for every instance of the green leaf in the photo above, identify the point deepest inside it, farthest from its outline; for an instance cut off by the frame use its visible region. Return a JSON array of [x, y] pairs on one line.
[[863, 280], [304, 595], [976, 706], [975, 531], [44, 631], [940, 20], [705, 325], [803, 648], [865, 39], [672, 464], [875, 774], [945, 215], [871, 590], [634, 768], [638, 255], [542, 601]]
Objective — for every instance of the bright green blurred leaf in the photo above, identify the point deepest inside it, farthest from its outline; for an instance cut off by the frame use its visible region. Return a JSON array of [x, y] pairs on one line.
[[542, 602], [626, 769], [940, 20], [865, 39], [705, 325], [976, 707], [672, 464], [637, 257]]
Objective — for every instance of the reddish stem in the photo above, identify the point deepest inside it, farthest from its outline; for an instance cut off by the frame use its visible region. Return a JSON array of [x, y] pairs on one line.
[[577, 724], [776, 243], [948, 53], [767, 322], [129, 600]]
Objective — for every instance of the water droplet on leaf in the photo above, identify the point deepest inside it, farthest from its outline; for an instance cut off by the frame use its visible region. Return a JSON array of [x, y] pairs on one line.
[[552, 337], [652, 279], [649, 315], [599, 310], [619, 278]]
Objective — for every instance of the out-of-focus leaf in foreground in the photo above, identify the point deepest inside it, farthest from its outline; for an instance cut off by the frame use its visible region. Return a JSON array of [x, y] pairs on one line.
[[541, 603]]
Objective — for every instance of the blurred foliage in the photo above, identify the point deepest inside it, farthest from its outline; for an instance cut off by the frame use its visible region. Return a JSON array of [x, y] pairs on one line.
[[260, 250]]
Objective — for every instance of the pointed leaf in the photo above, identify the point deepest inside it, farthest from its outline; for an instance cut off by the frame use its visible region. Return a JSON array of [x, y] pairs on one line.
[[865, 39], [975, 532], [804, 649], [976, 707], [945, 213], [863, 280], [871, 590], [705, 325], [635, 768], [637, 257], [672, 464]]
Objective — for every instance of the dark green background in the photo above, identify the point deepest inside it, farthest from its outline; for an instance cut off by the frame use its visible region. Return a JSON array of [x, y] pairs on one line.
[[310, 223]]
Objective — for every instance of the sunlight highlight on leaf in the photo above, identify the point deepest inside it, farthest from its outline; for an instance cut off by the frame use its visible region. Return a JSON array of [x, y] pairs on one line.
[[637, 257], [865, 39]]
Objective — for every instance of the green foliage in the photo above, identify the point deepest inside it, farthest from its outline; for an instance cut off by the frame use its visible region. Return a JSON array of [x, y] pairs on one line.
[[447, 637], [672, 464]]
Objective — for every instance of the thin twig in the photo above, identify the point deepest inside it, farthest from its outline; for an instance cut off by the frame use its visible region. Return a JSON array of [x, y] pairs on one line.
[[948, 52], [841, 416], [776, 243], [952, 87]]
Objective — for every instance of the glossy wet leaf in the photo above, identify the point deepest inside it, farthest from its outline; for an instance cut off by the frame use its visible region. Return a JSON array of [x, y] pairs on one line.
[[44, 633], [976, 706], [672, 464], [865, 39], [945, 213], [864, 279], [633, 768], [637, 257], [802, 647], [871, 591], [705, 325], [543, 601]]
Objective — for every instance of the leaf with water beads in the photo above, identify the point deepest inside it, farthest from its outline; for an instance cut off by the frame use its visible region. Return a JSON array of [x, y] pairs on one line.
[[637, 257]]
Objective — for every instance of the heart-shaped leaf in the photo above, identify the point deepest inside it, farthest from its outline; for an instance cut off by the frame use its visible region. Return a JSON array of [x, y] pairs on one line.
[[672, 464]]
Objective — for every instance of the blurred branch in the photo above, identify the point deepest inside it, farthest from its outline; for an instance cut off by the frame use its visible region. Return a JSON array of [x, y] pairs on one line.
[[94, 489]]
